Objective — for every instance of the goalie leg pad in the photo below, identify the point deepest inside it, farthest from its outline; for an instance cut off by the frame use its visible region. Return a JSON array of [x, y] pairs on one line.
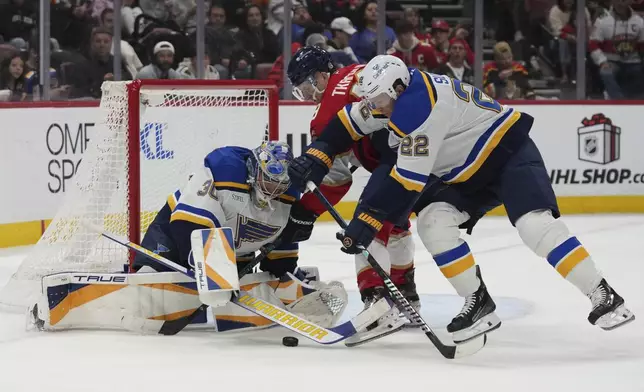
[[115, 301]]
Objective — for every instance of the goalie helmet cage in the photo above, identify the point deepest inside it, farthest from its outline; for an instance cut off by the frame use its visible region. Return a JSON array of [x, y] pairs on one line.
[[151, 136]]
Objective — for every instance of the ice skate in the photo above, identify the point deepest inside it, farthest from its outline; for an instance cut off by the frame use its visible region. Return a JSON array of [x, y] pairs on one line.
[[390, 322], [608, 311], [408, 290], [476, 317]]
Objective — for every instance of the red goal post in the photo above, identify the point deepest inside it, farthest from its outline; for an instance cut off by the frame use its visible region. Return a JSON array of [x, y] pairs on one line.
[[134, 122], [150, 136]]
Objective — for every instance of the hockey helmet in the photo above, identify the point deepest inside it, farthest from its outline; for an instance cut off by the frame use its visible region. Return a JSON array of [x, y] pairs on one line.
[[268, 169], [302, 68], [380, 77]]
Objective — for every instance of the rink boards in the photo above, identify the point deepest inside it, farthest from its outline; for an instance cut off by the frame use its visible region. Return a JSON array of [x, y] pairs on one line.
[[592, 151]]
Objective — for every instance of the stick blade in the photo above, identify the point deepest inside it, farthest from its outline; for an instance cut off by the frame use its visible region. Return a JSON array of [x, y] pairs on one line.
[[465, 349]]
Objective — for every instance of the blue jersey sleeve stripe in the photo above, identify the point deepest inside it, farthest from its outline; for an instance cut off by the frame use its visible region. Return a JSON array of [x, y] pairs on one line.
[[483, 148], [451, 255], [410, 185], [412, 175], [195, 215], [562, 250]]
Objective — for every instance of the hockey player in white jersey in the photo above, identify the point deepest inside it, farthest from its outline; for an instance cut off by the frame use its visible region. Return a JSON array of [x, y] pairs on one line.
[[483, 156], [246, 190]]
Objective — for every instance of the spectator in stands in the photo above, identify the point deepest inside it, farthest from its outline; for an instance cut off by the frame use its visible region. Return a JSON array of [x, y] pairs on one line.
[[129, 11], [88, 77], [456, 67], [364, 42], [188, 68], [128, 55], [18, 19], [411, 50], [562, 20], [275, 18], [440, 39], [505, 78], [616, 46], [462, 32], [339, 58], [71, 25], [258, 44], [342, 29], [534, 15], [161, 66], [32, 68], [12, 79], [220, 40], [411, 15], [180, 12], [301, 19]]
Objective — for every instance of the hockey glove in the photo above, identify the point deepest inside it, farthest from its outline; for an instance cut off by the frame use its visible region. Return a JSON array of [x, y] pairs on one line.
[[299, 226], [361, 230], [313, 165]]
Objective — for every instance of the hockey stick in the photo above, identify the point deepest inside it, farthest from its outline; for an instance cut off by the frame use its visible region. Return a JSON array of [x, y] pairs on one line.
[[447, 350], [275, 314]]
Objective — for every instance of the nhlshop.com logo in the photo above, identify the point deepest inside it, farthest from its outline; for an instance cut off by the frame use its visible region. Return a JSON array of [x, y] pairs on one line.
[[598, 141]]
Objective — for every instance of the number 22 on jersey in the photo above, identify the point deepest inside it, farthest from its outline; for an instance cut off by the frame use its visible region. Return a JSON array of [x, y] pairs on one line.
[[469, 93]]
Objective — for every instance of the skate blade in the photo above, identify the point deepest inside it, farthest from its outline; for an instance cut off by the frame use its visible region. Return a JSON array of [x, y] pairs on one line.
[[360, 339], [486, 324], [615, 319]]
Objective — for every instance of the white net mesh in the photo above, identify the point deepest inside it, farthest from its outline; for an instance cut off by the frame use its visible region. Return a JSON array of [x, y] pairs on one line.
[[178, 127]]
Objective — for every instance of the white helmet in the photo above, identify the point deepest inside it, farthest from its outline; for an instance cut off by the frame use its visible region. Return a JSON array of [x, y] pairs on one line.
[[381, 75]]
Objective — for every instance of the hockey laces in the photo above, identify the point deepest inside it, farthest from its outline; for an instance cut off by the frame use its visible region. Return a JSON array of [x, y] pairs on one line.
[[468, 305], [598, 296]]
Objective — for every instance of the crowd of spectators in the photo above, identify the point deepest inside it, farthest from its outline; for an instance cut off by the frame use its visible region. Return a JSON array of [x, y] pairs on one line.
[[531, 43]]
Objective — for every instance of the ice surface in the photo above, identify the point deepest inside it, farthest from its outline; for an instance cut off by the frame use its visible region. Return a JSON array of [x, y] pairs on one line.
[[545, 343]]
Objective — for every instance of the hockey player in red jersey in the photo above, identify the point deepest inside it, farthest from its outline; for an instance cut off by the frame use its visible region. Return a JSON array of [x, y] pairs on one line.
[[315, 78]]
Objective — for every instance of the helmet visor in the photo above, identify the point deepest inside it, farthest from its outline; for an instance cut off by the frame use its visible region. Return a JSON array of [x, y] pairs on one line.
[[379, 101], [273, 180], [305, 91]]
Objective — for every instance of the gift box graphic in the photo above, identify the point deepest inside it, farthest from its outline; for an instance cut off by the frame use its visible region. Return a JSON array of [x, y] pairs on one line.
[[599, 140]]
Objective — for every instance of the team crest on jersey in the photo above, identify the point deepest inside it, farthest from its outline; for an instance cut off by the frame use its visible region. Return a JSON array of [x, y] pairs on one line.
[[251, 230], [161, 249]]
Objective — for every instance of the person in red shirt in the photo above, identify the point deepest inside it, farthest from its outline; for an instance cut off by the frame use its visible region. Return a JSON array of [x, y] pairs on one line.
[[314, 78], [411, 15], [410, 50], [440, 39]]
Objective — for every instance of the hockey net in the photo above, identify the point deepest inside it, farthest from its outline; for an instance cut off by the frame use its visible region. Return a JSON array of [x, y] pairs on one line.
[[151, 135]]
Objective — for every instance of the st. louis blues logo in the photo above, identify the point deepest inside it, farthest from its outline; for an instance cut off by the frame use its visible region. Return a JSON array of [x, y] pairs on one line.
[[161, 249], [250, 230]]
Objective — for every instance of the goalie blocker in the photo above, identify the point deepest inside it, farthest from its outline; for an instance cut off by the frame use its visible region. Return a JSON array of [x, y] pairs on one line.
[[142, 302]]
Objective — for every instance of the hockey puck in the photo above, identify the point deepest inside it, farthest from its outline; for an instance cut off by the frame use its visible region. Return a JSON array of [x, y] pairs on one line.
[[290, 341]]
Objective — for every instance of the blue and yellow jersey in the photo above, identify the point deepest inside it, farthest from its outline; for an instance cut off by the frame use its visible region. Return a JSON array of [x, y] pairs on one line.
[[439, 126], [219, 195]]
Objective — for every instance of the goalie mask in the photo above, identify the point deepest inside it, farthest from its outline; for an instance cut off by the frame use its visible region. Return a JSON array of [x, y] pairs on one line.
[[268, 170]]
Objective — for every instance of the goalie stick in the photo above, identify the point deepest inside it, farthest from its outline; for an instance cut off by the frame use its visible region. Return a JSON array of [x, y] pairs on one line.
[[277, 315], [447, 350]]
